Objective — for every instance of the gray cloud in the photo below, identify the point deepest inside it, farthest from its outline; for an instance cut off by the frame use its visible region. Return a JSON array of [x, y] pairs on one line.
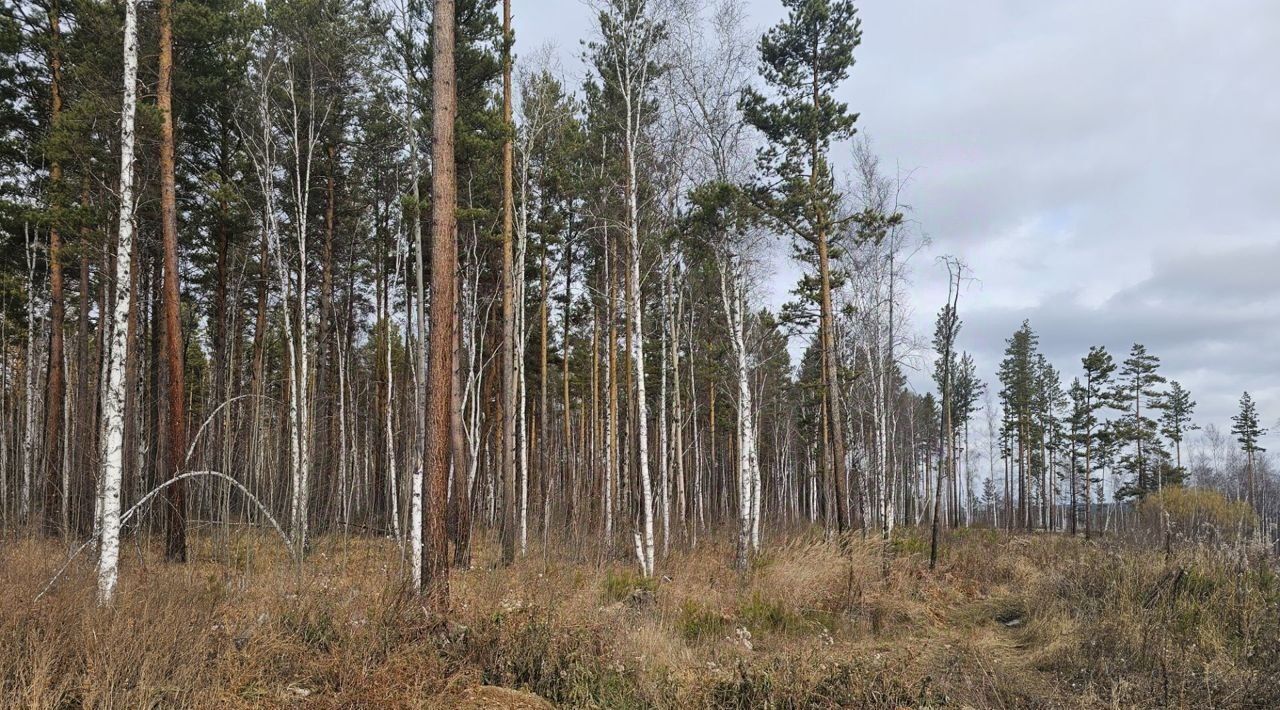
[[1106, 168], [1212, 318]]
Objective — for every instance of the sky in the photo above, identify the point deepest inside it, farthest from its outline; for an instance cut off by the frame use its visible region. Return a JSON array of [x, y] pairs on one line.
[[1108, 169]]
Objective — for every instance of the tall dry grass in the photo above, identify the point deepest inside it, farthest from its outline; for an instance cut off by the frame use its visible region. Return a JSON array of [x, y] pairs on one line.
[[1022, 621]]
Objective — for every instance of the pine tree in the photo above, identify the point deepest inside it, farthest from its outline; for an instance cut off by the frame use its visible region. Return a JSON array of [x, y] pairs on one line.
[[1175, 420], [1017, 392], [508, 403], [1248, 431], [1048, 401], [1095, 395], [967, 393], [175, 495], [803, 60], [944, 340], [1136, 395]]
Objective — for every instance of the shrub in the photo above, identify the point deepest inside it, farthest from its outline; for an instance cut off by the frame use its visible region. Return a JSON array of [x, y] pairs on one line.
[[1195, 514], [910, 542]]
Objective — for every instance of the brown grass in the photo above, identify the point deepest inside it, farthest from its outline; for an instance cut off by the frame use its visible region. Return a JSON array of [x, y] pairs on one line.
[[1024, 621]]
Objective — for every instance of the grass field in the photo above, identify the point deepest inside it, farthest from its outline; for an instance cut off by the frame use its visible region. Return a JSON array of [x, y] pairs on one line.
[[1003, 622]]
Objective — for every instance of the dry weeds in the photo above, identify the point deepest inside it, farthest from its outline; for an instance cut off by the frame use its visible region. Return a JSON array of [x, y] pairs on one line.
[[1004, 622]]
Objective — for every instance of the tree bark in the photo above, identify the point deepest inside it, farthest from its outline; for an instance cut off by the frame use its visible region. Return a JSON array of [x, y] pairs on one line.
[[444, 264], [176, 493], [55, 385], [113, 404], [507, 406]]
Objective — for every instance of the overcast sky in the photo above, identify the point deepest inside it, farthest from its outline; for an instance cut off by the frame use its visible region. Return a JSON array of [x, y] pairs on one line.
[[1109, 169]]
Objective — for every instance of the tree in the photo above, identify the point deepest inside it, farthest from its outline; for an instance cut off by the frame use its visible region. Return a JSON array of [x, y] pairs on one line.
[[944, 340], [626, 58], [175, 494], [55, 498], [444, 264], [550, 162], [1247, 430], [113, 404], [509, 405], [1048, 401], [708, 73], [966, 391], [722, 219], [1017, 376], [1147, 461], [803, 60], [1095, 395], [877, 332], [1175, 419]]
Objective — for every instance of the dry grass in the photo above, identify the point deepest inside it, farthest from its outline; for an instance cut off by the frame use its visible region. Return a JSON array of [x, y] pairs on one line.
[[1027, 621]]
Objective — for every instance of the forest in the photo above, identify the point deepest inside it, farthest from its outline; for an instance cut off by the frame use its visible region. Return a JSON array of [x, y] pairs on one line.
[[354, 354]]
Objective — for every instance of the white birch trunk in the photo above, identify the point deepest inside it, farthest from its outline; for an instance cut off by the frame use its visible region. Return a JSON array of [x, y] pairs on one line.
[[644, 540], [393, 477], [113, 405], [420, 357], [664, 467], [642, 407], [609, 375], [677, 408], [473, 344], [28, 440], [299, 408], [748, 464], [344, 470], [522, 424], [698, 517], [639, 35]]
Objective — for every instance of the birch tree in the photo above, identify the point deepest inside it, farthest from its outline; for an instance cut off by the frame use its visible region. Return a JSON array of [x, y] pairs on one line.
[[408, 13], [29, 435], [723, 215], [113, 403], [626, 57]]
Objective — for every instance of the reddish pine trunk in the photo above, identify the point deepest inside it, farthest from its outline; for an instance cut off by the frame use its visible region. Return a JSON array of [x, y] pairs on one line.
[[444, 264], [175, 461]]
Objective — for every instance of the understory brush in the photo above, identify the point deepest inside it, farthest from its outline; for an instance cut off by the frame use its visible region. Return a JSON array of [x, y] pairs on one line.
[[1032, 620]]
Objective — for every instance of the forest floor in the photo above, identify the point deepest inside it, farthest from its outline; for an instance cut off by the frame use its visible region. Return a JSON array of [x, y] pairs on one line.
[[1034, 620]]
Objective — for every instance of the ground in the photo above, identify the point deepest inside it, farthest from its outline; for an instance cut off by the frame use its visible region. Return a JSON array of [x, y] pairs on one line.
[[1033, 620]]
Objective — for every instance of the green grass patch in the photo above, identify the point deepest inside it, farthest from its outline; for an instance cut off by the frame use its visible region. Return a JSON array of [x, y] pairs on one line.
[[761, 614], [908, 544], [697, 622], [618, 585]]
